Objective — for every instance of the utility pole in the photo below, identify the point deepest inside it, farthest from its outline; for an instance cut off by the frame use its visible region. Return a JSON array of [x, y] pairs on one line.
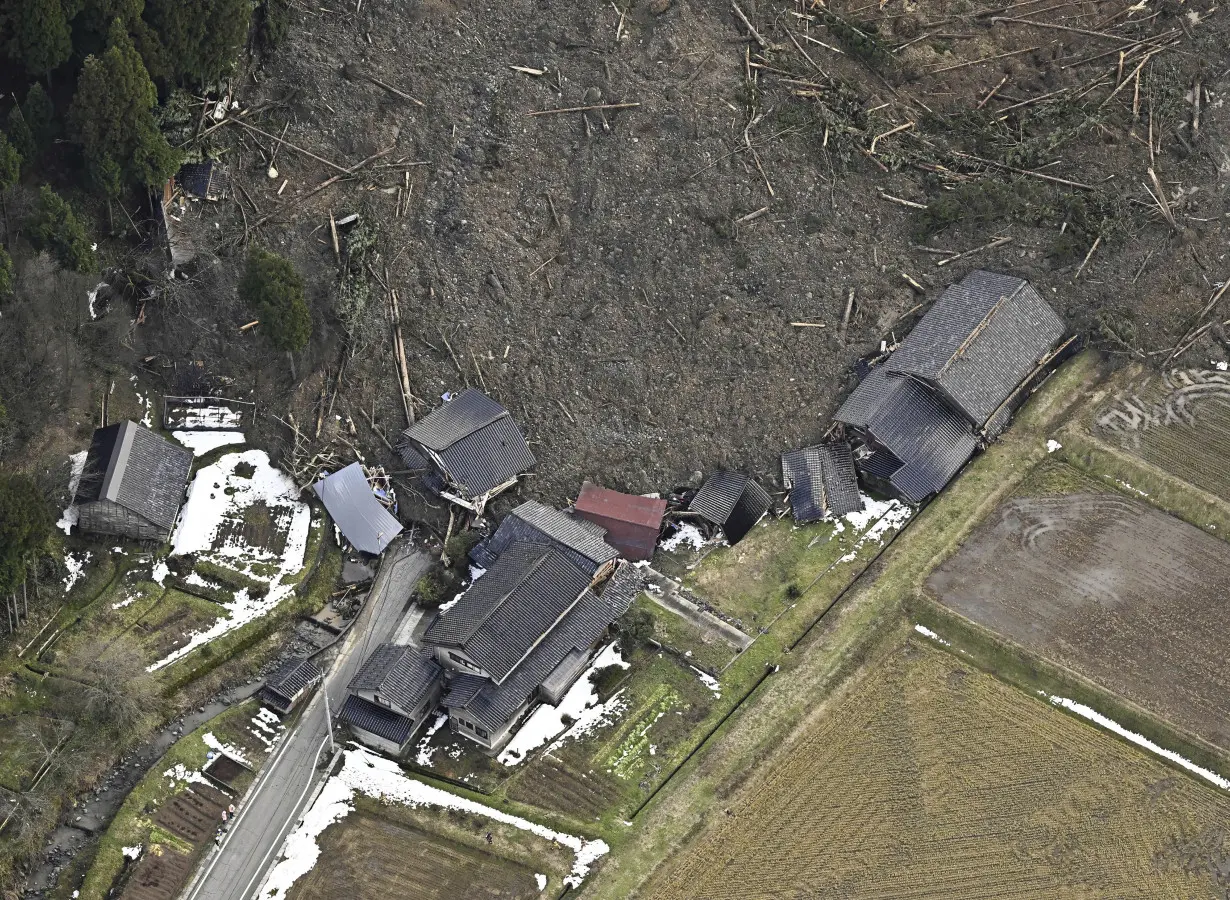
[[329, 721]]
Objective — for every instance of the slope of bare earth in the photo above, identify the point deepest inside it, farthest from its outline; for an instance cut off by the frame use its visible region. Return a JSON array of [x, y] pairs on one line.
[[1112, 588]]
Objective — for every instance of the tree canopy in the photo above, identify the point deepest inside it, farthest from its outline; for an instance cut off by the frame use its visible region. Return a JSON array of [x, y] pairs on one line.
[[201, 37], [273, 288], [54, 227], [25, 526], [112, 117], [10, 164], [6, 288], [40, 39]]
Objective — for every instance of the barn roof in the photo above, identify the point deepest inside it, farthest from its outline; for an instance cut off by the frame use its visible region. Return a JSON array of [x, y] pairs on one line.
[[141, 471], [822, 481], [476, 441], [398, 672], [579, 540], [644, 512], [507, 611], [732, 501], [983, 335], [348, 497]]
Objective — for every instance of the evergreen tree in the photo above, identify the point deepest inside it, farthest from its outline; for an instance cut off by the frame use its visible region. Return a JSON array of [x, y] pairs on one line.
[[40, 36], [10, 164], [56, 228], [273, 288], [112, 117], [20, 135], [25, 526], [39, 114], [201, 37], [6, 288]]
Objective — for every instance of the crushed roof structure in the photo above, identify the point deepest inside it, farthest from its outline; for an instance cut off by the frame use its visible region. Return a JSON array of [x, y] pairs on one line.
[[474, 443], [580, 541], [506, 613], [632, 523], [821, 481], [924, 411], [399, 673], [289, 682], [137, 471], [733, 502], [494, 704], [348, 497], [207, 180]]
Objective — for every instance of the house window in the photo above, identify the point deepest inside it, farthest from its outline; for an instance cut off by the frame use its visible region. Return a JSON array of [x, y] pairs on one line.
[[461, 661], [481, 732]]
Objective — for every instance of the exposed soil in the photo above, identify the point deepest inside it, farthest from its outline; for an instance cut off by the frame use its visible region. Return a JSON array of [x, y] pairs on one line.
[[1123, 594]]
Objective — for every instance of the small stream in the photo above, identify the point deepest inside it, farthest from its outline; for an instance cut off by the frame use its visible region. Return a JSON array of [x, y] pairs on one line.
[[96, 808]]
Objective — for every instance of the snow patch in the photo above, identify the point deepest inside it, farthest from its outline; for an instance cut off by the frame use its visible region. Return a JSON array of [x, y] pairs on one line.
[[127, 601], [160, 571], [132, 852], [708, 681], [580, 704], [1052, 445], [873, 522], [425, 752], [1123, 484], [1221, 366], [927, 632], [216, 745], [1086, 712], [69, 517], [300, 852], [687, 534], [75, 567], [201, 442], [542, 881], [209, 417], [445, 607], [476, 572], [179, 772]]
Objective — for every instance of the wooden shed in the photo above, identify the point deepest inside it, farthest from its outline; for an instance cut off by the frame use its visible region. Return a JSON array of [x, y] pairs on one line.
[[632, 523]]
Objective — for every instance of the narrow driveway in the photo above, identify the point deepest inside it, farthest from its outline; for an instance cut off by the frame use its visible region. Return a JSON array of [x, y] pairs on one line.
[[235, 869]]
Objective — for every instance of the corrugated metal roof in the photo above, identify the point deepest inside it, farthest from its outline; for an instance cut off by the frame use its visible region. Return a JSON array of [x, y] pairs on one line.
[[491, 456], [822, 481], [509, 609], [979, 340], [458, 418], [580, 541], [646, 512], [141, 471], [348, 497], [400, 673], [386, 723]]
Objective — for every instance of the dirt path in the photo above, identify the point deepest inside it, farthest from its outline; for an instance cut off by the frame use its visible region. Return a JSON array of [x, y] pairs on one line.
[[674, 597]]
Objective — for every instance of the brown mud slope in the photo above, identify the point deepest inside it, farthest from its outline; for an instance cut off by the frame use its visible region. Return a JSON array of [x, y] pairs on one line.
[[369, 858], [625, 279], [1110, 587], [933, 781]]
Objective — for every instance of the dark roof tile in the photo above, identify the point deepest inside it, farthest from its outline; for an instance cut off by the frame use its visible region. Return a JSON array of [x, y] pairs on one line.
[[386, 723], [400, 673]]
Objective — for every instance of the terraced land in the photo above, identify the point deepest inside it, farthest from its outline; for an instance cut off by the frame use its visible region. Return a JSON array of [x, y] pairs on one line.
[[1177, 420], [931, 780], [1112, 588]]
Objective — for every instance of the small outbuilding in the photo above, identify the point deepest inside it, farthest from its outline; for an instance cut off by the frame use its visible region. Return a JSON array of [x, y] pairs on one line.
[[733, 502], [348, 497], [290, 683], [473, 444], [580, 541], [822, 482], [133, 483], [632, 523]]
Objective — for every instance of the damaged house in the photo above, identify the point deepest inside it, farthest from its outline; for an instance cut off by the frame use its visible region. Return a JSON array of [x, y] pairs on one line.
[[822, 482], [632, 523], [132, 484], [347, 495], [475, 448], [731, 501], [581, 542], [952, 384]]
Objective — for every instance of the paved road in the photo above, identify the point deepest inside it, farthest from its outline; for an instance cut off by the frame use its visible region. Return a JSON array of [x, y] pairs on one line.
[[277, 799]]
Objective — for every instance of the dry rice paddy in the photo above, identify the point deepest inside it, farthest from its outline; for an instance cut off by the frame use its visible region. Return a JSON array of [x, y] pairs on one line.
[[931, 780]]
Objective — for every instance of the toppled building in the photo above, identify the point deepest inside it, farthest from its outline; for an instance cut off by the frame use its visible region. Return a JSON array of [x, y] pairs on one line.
[[632, 523], [132, 484], [348, 497], [397, 688], [581, 542], [822, 482], [475, 448], [952, 384], [290, 683], [733, 502]]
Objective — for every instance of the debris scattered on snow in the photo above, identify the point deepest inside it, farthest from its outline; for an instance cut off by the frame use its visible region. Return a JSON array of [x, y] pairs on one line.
[[687, 534], [201, 442], [1052, 445]]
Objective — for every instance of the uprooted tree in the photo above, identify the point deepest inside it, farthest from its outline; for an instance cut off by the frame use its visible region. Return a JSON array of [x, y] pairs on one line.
[[274, 290]]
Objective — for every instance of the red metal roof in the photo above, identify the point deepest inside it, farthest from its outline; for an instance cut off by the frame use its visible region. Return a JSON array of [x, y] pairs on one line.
[[599, 501]]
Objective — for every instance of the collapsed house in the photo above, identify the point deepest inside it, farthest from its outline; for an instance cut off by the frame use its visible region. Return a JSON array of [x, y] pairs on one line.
[[397, 688], [290, 683], [731, 501], [185, 232], [132, 484], [952, 384], [364, 522], [822, 482], [581, 542], [522, 633], [475, 448], [632, 523]]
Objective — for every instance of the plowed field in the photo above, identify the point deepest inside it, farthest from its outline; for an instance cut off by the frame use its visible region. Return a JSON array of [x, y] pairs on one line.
[[932, 781], [1110, 587]]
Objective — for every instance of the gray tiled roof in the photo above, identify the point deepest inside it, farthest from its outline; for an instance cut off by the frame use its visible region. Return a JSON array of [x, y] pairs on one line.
[[293, 676], [491, 456], [579, 540], [979, 340], [822, 481], [138, 469], [386, 723], [732, 501], [866, 398], [460, 417], [400, 673], [348, 497], [509, 609]]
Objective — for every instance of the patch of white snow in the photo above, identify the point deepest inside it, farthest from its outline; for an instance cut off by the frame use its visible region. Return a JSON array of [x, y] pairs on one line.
[[201, 442], [1052, 445], [425, 751], [927, 632], [686, 534]]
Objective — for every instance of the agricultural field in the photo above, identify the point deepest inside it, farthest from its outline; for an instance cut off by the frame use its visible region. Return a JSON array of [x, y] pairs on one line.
[[931, 779], [1110, 587], [1177, 420]]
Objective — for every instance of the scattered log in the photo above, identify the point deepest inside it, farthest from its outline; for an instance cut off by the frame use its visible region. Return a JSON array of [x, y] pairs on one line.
[[998, 242], [751, 29], [590, 108]]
